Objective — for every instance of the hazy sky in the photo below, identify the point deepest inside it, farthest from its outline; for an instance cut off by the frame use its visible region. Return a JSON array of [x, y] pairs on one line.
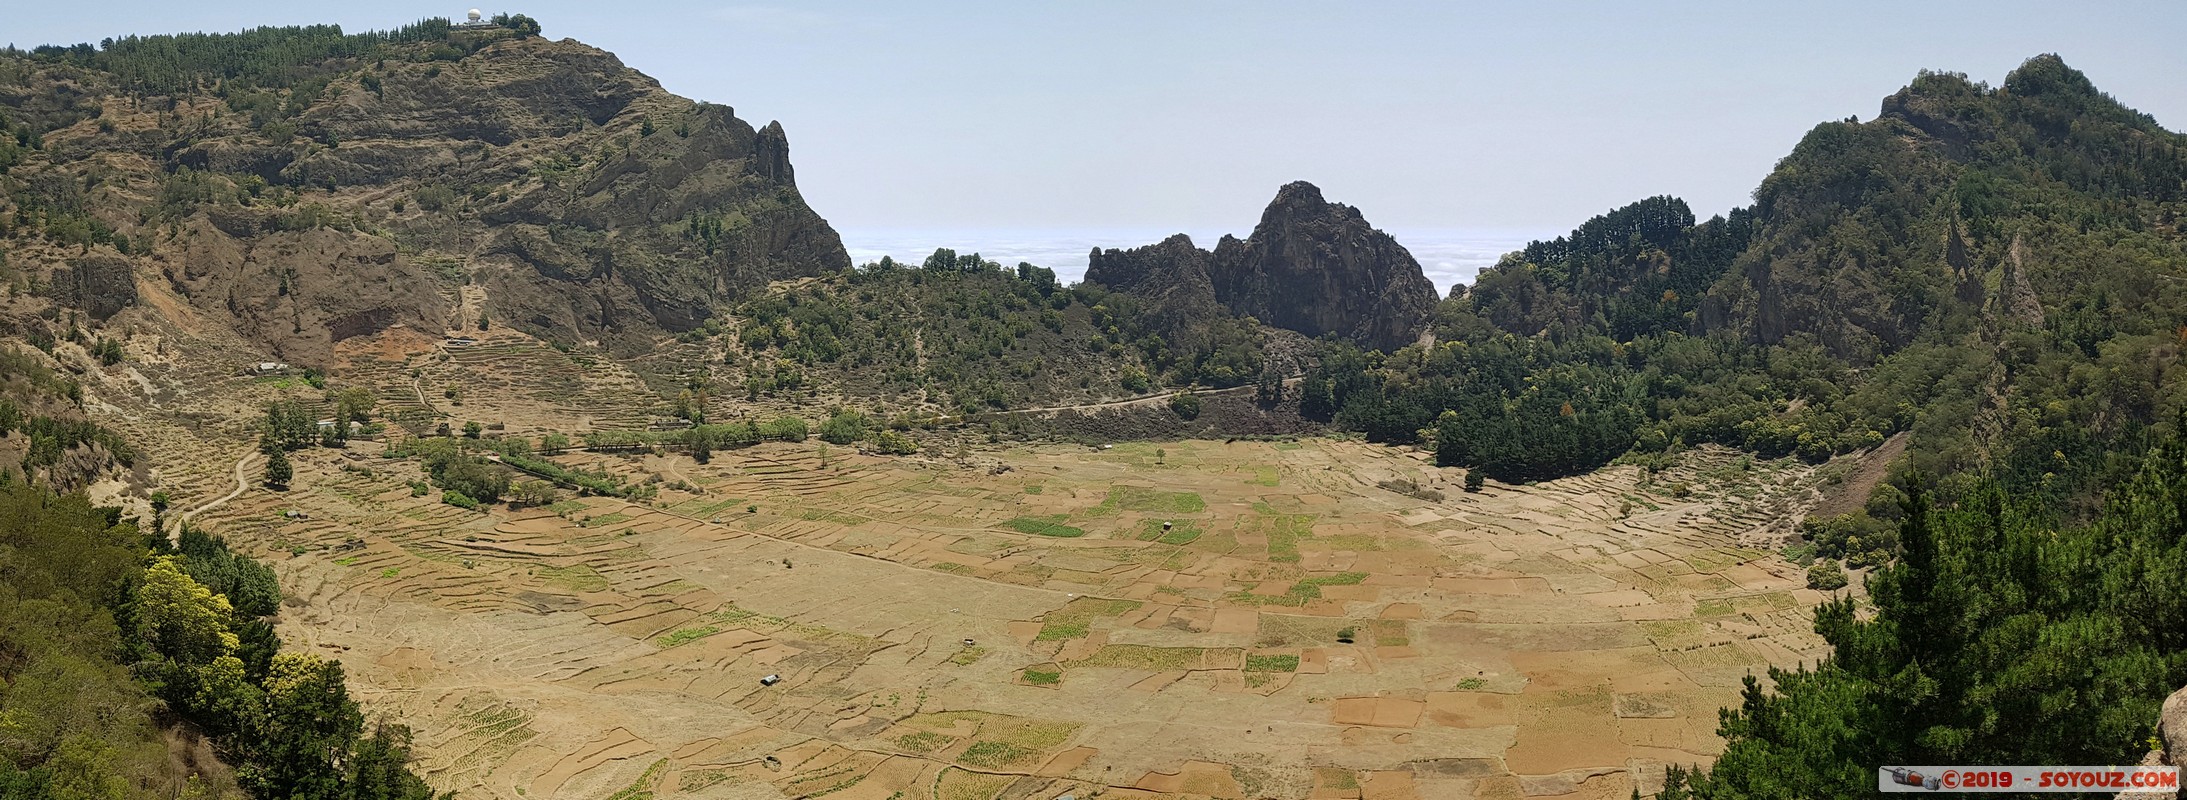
[[1187, 115]]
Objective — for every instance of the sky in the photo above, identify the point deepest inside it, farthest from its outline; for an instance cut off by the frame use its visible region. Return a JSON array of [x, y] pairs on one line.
[[1186, 115]]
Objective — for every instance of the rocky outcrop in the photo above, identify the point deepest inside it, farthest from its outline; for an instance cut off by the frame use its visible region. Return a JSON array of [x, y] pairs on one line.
[[627, 210], [1173, 273], [1310, 266], [1317, 267], [299, 292], [100, 284], [1172, 277]]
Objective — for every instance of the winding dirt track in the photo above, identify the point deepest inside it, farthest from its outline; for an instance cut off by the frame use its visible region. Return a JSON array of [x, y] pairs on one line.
[[242, 484]]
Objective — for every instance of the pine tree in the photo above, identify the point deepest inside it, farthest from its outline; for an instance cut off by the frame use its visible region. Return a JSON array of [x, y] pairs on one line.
[[278, 470]]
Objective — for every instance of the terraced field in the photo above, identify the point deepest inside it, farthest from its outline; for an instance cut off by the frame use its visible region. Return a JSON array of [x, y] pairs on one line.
[[1185, 619]]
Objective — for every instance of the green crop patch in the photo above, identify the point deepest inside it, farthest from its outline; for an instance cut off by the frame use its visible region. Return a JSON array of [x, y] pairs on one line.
[[1075, 619], [923, 742], [1050, 525], [1255, 663], [1160, 659], [1300, 593], [578, 578], [1284, 531], [1041, 677], [686, 636], [1139, 498], [643, 787], [994, 755]]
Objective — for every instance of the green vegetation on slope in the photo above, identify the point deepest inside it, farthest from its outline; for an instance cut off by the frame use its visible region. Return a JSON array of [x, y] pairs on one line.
[[1997, 638], [45, 407], [1994, 271], [295, 55], [969, 335], [102, 631]]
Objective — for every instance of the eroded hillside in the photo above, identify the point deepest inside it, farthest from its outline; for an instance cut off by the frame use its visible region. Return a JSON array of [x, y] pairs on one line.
[[355, 187]]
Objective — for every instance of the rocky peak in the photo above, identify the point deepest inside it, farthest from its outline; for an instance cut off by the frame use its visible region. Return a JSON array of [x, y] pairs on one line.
[[1318, 268], [1156, 271], [1311, 266], [771, 155], [1172, 276]]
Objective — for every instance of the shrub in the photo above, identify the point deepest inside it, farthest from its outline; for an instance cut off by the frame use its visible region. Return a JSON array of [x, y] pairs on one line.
[[459, 499], [894, 444], [1185, 404], [1474, 480], [788, 429], [435, 198], [1135, 380], [1858, 537], [533, 494], [1826, 575], [846, 427], [278, 470]]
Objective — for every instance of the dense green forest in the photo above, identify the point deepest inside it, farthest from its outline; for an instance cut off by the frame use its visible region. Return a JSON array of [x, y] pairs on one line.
[[1998, 637]]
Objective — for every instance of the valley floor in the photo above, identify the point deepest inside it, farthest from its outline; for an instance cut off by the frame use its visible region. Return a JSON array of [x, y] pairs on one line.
[[1299, 629], [1305, 618]]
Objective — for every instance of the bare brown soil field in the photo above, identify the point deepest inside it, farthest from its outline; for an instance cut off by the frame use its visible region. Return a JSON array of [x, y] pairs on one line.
[[1297, 631]]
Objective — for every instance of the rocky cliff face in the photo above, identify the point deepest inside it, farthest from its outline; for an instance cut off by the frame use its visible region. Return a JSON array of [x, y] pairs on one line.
[[1317, 267], [1172, 273], [1310, 266], [589, 203]]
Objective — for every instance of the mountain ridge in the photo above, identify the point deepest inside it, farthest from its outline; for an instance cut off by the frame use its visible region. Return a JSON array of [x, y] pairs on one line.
[[588, 203]]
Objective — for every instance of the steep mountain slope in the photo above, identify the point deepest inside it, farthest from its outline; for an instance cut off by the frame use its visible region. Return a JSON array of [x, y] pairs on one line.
[[1870, 235], [1873, 232], [1999, 272], [1310, 266], [303, 186]]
